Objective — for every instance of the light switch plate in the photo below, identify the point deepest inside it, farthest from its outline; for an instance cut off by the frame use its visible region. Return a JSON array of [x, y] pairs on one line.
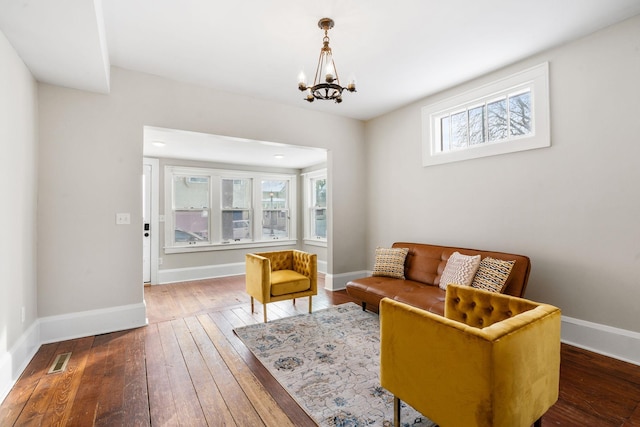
[[123, 218]]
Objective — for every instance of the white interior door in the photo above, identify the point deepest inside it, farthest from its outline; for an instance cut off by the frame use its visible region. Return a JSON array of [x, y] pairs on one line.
[[146, 223]]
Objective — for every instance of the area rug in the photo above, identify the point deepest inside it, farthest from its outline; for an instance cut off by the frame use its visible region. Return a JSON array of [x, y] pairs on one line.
[[329, 362]]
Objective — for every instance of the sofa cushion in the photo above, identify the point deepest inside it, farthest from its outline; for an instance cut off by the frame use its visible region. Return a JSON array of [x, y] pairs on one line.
[[492, 274], [390, 262], [460, 269]]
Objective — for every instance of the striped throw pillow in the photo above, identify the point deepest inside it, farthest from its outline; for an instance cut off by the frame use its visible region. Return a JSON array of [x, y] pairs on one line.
[[390, 262], [492, 274], [460, 269]]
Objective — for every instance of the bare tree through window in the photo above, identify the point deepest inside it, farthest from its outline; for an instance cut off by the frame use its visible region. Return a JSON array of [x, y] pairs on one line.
[[495, 120]]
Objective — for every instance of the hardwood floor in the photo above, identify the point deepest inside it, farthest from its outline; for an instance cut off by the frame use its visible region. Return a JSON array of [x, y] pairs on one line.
[[187, 368]]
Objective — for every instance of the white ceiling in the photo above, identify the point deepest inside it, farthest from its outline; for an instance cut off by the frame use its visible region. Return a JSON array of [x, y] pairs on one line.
[[398, 51]]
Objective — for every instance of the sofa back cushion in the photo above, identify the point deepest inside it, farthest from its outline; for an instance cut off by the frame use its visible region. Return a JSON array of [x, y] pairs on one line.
[[425, 263]]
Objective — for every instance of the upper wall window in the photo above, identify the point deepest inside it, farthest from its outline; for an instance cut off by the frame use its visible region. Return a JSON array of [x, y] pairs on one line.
[[511, 114]]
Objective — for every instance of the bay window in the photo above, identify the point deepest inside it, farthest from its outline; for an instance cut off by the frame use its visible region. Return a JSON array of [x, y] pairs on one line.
[[206, 209]]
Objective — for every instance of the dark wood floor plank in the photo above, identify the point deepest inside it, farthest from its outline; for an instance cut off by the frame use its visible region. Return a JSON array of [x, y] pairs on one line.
[[136, 396], [60, 409], [263, 402], [188, 410], [111, 400], [245, 316], [589, 387], [44, 395], [162, 406], [23, 390], [235, 400], [634, 419], [225, 323], [208, 395], [88, 395]]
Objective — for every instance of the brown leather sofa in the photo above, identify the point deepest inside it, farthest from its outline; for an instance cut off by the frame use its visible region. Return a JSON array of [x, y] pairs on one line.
[[423, 267]]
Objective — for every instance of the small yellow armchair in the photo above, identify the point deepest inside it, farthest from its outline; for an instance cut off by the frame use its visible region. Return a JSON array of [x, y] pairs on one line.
[[281, 275], [493, 360]]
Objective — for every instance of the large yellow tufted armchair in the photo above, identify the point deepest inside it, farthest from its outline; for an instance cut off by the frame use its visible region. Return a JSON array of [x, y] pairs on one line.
[[492, 360], [281, 275]]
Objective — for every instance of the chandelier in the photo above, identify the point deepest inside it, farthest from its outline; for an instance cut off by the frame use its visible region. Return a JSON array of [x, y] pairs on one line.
[[326, 83]]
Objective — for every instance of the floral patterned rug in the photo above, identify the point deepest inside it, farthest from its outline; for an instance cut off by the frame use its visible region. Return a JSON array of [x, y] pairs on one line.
[[329, 362]]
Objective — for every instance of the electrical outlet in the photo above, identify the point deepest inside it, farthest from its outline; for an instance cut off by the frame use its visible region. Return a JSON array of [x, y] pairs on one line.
[[123, 219], [159, 261]]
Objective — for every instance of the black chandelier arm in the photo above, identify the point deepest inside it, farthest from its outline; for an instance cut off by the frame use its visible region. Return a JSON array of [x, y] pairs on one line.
[[326, 91]]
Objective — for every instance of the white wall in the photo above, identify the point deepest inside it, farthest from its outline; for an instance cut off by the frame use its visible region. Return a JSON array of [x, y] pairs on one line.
[[91, 168], [18, 178], [574, 208]]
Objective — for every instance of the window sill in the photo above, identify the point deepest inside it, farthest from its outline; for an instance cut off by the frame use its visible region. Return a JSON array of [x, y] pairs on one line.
[[315, 242], [229, 246]]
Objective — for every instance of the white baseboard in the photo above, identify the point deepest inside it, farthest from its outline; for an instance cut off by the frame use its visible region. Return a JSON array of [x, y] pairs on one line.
[[200, 273], [15, 361], [337, 282], [92, 322], [606, 340]]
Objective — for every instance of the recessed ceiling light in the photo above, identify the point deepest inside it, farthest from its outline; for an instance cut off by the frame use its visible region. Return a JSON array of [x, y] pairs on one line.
[[279, 156], [158, 143]]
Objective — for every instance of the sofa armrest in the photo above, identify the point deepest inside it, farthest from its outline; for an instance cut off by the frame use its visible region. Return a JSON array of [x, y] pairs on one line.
[[504, 375]]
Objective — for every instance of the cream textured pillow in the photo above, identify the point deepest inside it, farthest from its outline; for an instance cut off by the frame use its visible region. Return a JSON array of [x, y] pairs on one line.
[[492, 274], [460, 269], [390, 262]]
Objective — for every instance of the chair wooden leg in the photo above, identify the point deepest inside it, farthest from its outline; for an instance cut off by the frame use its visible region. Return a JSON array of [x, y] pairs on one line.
[[310, 304], [396, 411], [252, 308], [538, 422], [294, 301], [264, 311]]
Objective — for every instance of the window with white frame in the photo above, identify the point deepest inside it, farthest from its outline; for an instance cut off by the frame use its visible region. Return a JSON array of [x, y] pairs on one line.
[[511, 114], [236, 209], [275, 209], [208, 208], [316, 205], [190, 210]]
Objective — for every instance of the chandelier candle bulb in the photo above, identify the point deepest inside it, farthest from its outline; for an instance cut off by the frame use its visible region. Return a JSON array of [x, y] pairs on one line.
[[302, 81], [330, 71]]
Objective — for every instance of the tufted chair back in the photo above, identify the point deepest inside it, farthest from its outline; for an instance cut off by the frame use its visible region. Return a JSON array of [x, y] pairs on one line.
[[280, 260], [481, 309]]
